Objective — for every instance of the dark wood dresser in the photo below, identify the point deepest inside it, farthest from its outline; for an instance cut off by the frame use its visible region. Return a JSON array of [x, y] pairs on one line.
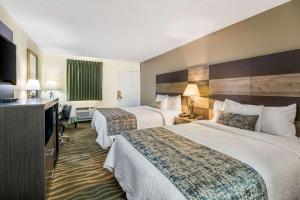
[[28, 148]]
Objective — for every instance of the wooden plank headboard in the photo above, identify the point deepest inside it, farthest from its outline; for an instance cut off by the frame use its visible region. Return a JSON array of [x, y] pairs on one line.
[[270, 80], [174, 83]]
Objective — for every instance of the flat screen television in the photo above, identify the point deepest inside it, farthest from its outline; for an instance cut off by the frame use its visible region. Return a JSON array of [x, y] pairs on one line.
[[7, 62]]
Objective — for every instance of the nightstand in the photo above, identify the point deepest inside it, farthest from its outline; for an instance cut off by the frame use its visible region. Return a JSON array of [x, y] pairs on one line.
[[184, 120]]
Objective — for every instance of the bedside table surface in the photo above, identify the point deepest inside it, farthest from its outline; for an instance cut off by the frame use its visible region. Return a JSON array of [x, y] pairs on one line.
[[186, 118], [183, 120]]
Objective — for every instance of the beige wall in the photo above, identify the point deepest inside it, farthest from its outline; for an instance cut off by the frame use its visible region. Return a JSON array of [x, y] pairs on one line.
[[54, 69], [272, 31], [22, 42]]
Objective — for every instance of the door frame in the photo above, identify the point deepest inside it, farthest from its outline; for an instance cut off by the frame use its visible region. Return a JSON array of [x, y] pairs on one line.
[[138, 83]]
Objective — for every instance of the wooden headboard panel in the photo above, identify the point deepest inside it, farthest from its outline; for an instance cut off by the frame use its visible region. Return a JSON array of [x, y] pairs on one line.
[[270, 80], [174, 83]]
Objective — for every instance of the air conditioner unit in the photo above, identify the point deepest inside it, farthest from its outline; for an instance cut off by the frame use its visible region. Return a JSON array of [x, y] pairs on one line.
[[84, 113]]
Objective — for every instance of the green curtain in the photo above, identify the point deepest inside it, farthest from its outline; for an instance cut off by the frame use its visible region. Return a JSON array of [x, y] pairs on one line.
[[84, 80]]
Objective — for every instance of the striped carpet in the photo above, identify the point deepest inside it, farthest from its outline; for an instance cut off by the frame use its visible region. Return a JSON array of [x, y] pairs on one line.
[[79, 174]]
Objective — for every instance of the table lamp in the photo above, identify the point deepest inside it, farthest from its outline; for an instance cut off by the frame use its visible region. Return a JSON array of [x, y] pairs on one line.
[[33, 86], [51, 85], [191, 91]]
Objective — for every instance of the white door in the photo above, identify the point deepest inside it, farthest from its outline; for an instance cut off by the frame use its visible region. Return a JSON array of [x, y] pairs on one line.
[[128, 88]]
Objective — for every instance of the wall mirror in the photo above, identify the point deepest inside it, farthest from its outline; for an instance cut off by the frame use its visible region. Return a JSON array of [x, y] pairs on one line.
[[32, 65]]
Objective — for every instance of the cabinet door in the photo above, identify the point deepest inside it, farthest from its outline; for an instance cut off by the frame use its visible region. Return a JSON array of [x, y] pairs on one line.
[[49, 163], [22, 146]]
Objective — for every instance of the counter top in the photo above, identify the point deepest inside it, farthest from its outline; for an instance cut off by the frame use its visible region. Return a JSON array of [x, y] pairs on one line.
[[29, 102]]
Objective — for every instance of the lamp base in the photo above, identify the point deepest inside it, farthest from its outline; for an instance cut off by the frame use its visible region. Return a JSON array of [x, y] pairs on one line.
[[51, 95], [192, 116], [191, 108], [32, 94]]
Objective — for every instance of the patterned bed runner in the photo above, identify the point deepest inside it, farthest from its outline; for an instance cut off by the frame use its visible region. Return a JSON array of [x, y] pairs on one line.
[[196, 170], [118, 120]]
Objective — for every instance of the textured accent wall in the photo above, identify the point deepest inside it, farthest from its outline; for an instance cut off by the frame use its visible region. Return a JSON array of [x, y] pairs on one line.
[[270, 80], [273, 31]]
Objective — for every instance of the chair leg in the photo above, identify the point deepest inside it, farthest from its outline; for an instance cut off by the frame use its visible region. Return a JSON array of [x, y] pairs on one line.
[[63, 129], [60, 129], [65, 137]]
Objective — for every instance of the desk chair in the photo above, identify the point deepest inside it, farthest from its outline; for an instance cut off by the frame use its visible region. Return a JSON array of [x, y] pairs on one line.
[[64, 117]]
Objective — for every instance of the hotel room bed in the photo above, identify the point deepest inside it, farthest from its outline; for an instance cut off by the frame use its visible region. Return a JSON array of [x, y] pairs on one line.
[[146, 117], [275, 158]]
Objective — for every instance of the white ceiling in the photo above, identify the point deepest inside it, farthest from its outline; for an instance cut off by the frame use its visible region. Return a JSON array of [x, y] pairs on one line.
[[133, 30]]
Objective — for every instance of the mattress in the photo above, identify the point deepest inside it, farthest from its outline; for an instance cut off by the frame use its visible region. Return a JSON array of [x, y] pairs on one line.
[[146, 116], [275, 158]]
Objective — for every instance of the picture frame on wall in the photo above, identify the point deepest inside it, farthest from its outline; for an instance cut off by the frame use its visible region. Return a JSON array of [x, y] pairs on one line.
[[32, 65]]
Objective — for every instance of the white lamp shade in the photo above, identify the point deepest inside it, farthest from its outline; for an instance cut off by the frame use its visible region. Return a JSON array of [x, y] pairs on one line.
[[51, 85], [191, 90], [33, 85]]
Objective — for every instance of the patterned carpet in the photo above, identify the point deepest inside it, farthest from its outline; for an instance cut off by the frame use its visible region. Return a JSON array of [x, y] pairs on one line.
[[79, 174]]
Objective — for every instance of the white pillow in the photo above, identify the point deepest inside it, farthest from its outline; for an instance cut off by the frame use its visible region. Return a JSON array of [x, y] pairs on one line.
[[218, 106], [161, 97], [163, 104], [279, 120], [245, 109], [174, 103]]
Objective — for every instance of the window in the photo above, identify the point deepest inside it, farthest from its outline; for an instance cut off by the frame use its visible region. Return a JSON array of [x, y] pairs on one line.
[[84, 80]]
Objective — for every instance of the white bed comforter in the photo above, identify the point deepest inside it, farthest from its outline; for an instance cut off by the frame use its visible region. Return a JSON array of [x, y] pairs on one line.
[[146, 116], [275, 158]]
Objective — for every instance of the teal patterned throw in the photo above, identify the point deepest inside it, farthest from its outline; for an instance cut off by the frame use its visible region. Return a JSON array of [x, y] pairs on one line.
[[196, 170], [118, 120]]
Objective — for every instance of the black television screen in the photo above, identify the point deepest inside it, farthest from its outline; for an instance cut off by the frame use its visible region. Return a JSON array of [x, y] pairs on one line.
[[7, 61]]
